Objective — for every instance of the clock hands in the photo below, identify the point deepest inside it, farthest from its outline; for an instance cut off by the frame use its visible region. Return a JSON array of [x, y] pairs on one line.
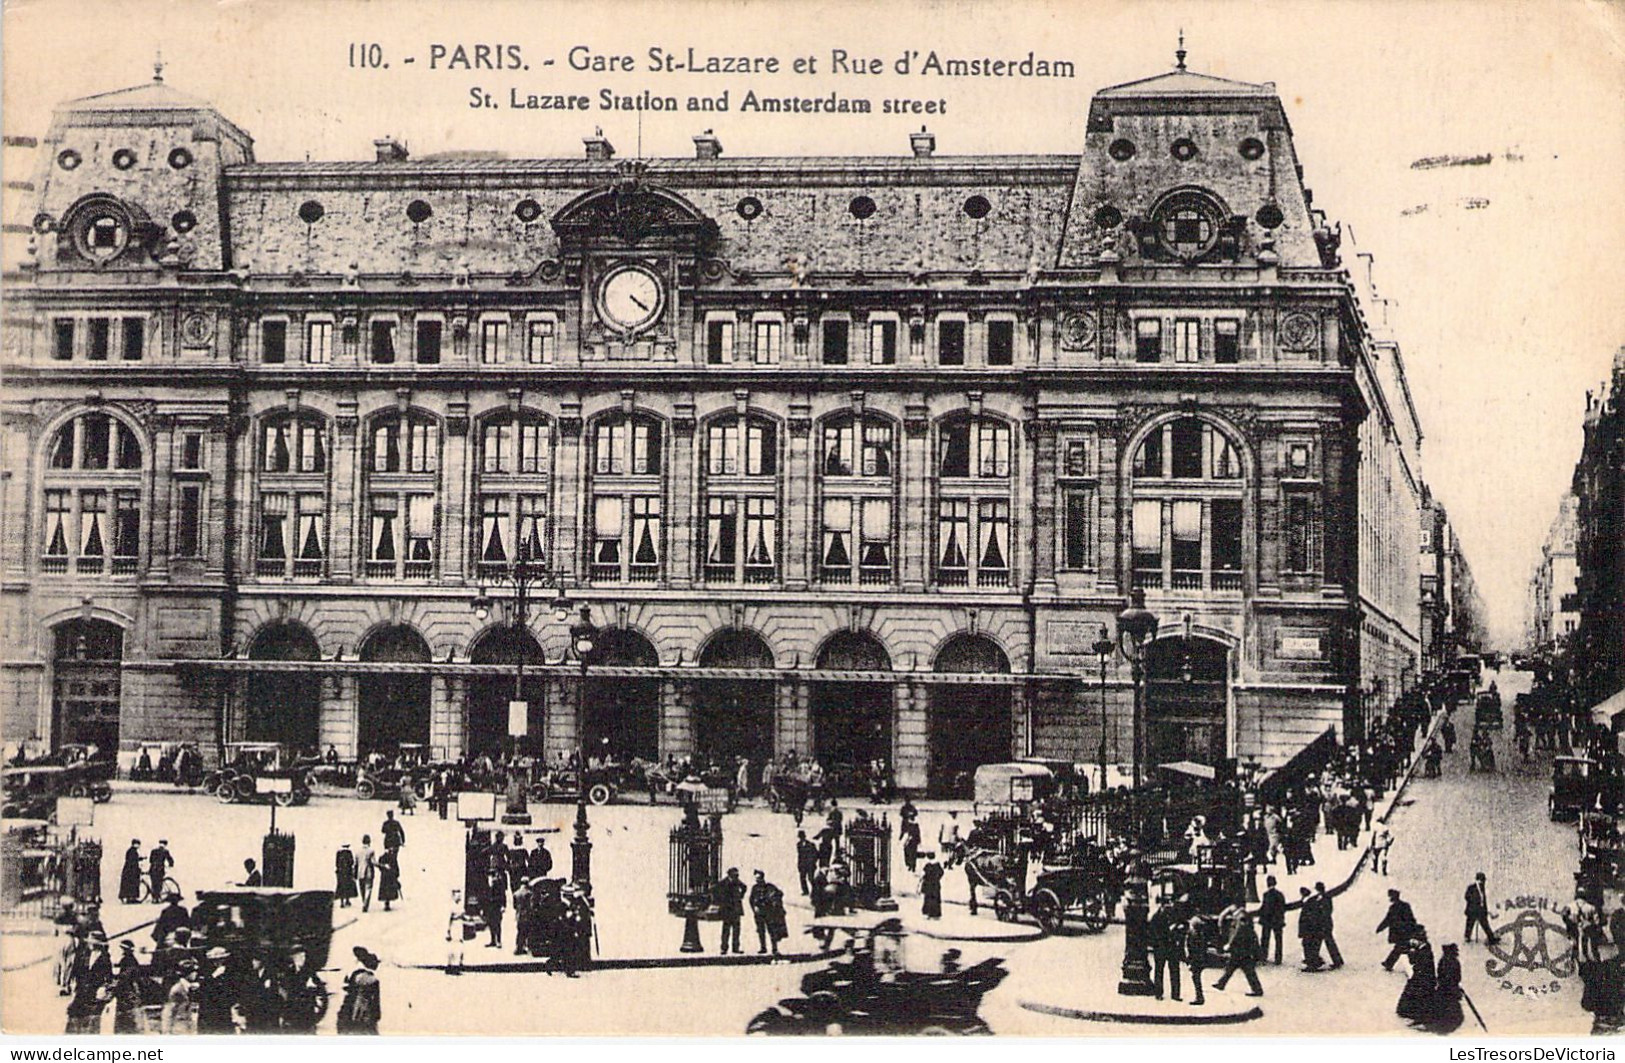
[[639, 303]]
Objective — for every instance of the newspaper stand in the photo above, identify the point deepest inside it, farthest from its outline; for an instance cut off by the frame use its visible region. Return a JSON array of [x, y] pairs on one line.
[[868, 846], [693, 870]]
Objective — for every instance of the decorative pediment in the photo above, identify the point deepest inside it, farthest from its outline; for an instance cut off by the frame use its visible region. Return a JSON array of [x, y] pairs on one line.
[[633, 213]]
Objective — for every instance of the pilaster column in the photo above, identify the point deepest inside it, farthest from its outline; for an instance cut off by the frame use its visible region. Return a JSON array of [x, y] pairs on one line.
[[798, 499], [162, 505], [914, 547], [911, 736], [341, 544], [1043, 505], [682, 499], [569, 480], [676, 717], [454, 494]]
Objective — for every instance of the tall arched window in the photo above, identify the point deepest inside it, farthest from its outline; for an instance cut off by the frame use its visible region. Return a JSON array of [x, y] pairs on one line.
[[626, 543], [292, 463], [1187, 513], [92, 497], [515, 484], [403, 474], [741, 542], [973, 502], [857, 471]]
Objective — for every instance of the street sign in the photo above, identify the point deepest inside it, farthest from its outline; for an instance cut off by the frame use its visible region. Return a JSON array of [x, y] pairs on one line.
[[518, 719], [476, 805], [75, 811], [263, 785]]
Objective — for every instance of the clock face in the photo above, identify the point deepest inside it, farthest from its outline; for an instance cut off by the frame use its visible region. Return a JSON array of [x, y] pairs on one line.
[[630, 298]]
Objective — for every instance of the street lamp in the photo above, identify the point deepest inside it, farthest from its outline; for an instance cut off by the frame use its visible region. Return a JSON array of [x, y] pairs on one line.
[[1103, 648], [1136, 627], [582, 634]]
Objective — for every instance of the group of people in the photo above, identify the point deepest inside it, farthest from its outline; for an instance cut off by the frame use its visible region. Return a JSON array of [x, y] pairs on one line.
[[552, 917], [361, 873], [1432, 997], [766, 902], [156, 869]]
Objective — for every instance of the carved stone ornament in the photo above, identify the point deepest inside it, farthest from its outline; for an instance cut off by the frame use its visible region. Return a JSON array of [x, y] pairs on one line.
[[1298, 332], [1077, 331], [197, 329]]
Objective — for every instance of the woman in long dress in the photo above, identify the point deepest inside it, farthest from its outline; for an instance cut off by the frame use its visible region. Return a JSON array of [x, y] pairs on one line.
[[389, 877], [1416, 999], [931, 889], [129, 879], [1447, 1017], [344, 872]]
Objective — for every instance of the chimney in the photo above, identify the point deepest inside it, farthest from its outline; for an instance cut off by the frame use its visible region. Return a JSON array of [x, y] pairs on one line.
[[390, 149], [707, 146], [598, 148], [923, 143]]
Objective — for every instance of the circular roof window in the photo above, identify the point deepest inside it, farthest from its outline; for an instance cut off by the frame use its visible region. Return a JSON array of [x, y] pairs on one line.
[[1251, 148], [69, 159], [123, 159], [862, 207], [419, 211], [180, 158], [310, 212], [1270, 216], [183, 222], [1186, 224], [1183, 149], [1108, 217], [749, 208], [978, 206], [102, 231], [527, 210], [1122, 150]]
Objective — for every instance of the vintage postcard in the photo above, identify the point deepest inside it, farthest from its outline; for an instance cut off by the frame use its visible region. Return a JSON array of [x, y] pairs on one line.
[[721, 518]]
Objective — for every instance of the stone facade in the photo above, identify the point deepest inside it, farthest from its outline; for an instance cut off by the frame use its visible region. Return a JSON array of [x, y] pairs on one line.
[[850, 455]]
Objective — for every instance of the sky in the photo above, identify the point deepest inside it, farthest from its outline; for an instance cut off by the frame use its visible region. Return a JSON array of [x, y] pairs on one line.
[[1507, 284]]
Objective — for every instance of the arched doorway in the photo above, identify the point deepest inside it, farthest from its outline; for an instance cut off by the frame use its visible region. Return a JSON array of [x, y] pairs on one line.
[[486, 722], [620, 715], [285, 706], [852, 721], [734, 717], [1186, 700], [393, 706], [970, 722], [85, 698]]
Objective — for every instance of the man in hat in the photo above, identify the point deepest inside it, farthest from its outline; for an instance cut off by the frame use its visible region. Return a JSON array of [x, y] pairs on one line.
[[1272, 918], [1400, 922], [363, 1005], [394, 834], [129, 879], [1323, 904], [1478, 910], [806, 861], [177, 1016], [158, 864], [344, 875], [730, 901], [171, 919], [92, 986], [127, 990], [1241, 954], [540, 863], [251, 874], [767, 905]]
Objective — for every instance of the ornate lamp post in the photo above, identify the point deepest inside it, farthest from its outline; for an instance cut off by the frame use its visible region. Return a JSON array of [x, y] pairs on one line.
[[522, 574], [1103, 648], [1136, 627], [582, 635]]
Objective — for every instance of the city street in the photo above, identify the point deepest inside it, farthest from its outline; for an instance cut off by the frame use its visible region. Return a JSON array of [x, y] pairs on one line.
[[1445, 831]]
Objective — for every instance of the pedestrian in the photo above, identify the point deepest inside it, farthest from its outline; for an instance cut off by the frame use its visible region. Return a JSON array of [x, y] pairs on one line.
[[1447, 731], [729, 897], [92, 986], [442, 791], [1416, 999], [344, 875], [1445, 1012], [178, 1016], [931, 888], [1431, 757], [1309, 930], [1400, 922], [408, 802], [1166, 933], [767, 905], [174, 917], [1478, 910], [1381, 842], [216, 993], [367, 865], [518, 861], [540, 862], [806, 861], [1272, 918], [1328, 938], [742, 778], [393, 833], [496, 905], [911, 842], [1273, 826], [129, 878], [1241, 954], [252, 879], [159, 861], [127, 990], [1200, 931], [949, 843], [363, 1000], [389, 877]]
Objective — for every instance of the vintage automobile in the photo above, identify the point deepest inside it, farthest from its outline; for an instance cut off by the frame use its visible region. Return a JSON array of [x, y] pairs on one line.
[[31, 790], [286, 775], [1207, 888], [287, 933], [601, 785], [1487, 712], [158, 762], [1576, 782], [413, 766]]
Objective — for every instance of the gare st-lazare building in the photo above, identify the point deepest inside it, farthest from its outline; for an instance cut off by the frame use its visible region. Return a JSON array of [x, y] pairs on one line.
[[848, 455]]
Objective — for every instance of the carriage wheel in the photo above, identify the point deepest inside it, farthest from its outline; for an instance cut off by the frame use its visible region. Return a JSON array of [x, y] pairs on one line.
[[1046, 906], [78, 789], [285, 800], [1004, 905], [301, 796], [224, 792], [1094, 913], [366, 789], [539, 792], [599, 793], [102, 793], [242, 788]]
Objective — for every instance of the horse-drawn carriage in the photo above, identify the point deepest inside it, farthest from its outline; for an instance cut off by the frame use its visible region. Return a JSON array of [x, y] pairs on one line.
[[278, 941], [252, 769], [802, 785]]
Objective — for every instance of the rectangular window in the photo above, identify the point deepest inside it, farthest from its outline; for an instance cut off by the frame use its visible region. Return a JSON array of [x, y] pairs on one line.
[[838, 449], [953, 458], [386, 448], [383, 542], [953, 542], [1076, 460], [1187, 545], [497, 447], [541, 342], [319, 343], [950, 343], [419, 532], [874, 542], [883, 342], [1148, 543], [645, 450], [877, 449], [1148, 340], [92, 535], [837, 339], [721, 537], [62, 339], [97, 441], [722, 449], [992, 543], [134, 339], [835, 556], [1226, 342], [609, 449], [533, 525], [311, 541], [273, 342], [101, 339], [428, 345], [761, 450], [761, 539], [1001, 342], [1186, 437], [1226, 540], [719, 342], [1187, 340], [423, 456], [1303, 533], [493, 342], [312, 448], [192, 450], [383, 342], [645, 537], [273, 534], [58, 525], [533, 443], [496, 531], [1076, 531], [188, 521], [607, 530], [769, 342], [993, 450]]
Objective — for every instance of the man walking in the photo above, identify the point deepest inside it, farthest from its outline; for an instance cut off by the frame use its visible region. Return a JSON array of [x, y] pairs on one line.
[[1166, 931], [1381, 842], [1478, 910], [129, 879], [1400, 922], [158, 864], [367, 868], [1242, 955], [1272, 919], [730, 899], [394, 834], [1309, 930], [1323, 905], [806, 861]]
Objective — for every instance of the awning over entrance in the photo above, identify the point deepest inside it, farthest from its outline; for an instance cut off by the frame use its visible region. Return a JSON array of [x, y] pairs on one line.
[[815, 675], [1608, 710]]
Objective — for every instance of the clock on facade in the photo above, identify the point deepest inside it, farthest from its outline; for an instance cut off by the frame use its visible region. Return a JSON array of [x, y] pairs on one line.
[[630, 297]]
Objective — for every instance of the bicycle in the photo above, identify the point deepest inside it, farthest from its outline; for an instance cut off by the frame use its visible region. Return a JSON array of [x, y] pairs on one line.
[[168, 886]]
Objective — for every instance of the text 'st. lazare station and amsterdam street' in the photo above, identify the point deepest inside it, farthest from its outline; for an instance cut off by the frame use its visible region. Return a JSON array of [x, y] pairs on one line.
[[873, 594]]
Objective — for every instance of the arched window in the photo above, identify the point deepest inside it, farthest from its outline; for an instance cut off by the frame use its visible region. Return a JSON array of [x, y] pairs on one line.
[[292, 466], [403, 466], [857, 467], [1187, 511], [515, 485], [92, 497], [741, 542], [626, 543], [973, 502]]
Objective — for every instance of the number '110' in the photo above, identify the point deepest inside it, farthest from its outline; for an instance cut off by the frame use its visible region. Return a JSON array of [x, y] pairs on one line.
[[367, 56]]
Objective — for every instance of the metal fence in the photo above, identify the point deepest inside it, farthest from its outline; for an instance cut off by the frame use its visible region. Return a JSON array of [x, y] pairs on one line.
[[39, 865], [695, 863]]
